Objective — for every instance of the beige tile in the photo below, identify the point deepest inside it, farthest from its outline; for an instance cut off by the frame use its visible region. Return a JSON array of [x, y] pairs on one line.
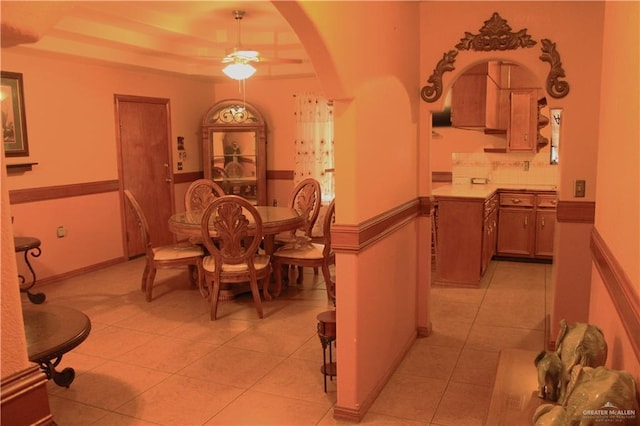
[[490, 338], [297, 378], [181, 401], [256, 408], [372, 419], [71, 413], [476, 367], [216, 332], [115, 419], [168, 354], [448, 333], [112, 384], [409, 397], [281, 342], [311, 350], [463, 405], [424, 360], [277, 359], [513, 308], [232, 366], [110, 342]]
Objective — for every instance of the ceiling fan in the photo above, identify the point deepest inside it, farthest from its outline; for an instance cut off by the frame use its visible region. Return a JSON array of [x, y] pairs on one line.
[[239, 61]]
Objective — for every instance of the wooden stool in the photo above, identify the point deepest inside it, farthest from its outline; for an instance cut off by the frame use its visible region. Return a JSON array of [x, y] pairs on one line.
[[29, 245], [327, 334]]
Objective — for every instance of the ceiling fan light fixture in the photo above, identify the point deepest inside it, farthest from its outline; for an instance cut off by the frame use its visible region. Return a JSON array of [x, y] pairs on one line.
[[239, 70]]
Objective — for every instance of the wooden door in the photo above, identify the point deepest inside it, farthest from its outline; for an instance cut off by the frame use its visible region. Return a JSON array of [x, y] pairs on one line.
[[145, 166]]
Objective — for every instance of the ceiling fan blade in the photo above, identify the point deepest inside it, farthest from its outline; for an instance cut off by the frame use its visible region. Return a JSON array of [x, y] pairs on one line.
[[280, 60]]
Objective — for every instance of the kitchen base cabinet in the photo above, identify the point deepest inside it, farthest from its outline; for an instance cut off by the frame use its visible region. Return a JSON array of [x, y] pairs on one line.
[[526, 225], [515, 234], [458, 261]]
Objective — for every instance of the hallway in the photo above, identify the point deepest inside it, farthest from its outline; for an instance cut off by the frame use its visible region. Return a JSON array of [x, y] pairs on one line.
[[165, 363]]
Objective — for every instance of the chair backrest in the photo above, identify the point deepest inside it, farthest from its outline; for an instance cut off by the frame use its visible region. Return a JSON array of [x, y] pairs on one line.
[[306, 198], [201, 193], [237, 227], [142, 221], [329, 218]]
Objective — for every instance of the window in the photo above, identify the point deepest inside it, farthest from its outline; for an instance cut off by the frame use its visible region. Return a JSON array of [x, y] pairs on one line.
[[314, 142]]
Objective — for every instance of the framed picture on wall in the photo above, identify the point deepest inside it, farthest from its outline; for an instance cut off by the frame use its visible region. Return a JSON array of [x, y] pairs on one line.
[[14, 122]]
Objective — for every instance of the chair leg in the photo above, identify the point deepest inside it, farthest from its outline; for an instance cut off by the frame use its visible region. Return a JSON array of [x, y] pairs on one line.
[[328, 283], [299, 280], [145, 276], [204, 292], [265, 285], [277, 267], [215, 293], [256, 297], [149, 285]]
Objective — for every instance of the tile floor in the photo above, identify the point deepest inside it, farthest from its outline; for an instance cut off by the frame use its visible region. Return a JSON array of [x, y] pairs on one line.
[[165, 363]]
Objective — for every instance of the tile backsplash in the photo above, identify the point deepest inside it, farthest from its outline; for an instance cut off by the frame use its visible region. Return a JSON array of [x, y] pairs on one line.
[[533, 169]]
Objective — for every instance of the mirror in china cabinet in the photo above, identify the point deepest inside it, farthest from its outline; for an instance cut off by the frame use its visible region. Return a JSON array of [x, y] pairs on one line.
[[234, 151]]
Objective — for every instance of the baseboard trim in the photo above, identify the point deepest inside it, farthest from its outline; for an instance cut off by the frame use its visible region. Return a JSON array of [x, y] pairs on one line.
[[70, 274], [356, 415], [24, 398]]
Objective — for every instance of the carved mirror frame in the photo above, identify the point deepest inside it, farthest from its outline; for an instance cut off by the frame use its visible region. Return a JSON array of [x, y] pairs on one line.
[[496, 34]]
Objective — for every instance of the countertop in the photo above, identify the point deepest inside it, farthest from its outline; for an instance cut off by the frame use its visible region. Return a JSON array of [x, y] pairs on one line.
[[483, 191]]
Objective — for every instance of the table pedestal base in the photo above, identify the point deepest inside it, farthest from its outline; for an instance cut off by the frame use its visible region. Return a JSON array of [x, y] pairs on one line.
[[30, 246]]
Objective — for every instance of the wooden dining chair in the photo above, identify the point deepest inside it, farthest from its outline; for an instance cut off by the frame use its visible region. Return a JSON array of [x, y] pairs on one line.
[[201, 193], [163, 257], [310, 254], [233, 248], [305, 199]]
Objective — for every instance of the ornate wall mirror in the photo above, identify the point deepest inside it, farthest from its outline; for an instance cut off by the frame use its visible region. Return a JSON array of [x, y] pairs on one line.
[[234, 149]]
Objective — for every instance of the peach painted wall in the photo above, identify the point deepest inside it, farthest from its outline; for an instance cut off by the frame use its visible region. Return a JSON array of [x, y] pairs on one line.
[[617, 202], [71, 129]]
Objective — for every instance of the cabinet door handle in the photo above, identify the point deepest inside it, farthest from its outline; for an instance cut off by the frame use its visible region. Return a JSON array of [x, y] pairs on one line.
[[526, 221], [542, 222], [516, 200]]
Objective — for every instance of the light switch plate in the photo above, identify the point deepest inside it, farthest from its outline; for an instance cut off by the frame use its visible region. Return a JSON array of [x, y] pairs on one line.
[[579, 189]]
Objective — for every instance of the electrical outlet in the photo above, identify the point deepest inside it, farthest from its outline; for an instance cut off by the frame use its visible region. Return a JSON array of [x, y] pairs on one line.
[[61, 231], [579, 189]]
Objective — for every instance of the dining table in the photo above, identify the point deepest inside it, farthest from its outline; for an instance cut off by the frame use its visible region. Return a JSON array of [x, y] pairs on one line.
[[275, 220]]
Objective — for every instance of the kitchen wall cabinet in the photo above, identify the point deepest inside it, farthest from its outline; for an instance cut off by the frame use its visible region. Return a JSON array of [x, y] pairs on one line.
[[469, 99], [522, 131]]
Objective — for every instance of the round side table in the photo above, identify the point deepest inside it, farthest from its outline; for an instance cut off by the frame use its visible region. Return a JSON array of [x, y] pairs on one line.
[[30, 246], [327, 335]]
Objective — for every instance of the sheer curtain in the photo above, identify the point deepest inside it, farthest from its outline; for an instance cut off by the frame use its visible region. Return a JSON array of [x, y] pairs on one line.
[[314, 142]]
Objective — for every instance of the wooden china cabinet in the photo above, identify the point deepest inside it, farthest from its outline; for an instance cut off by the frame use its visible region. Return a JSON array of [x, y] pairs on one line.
[[234, 138]]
